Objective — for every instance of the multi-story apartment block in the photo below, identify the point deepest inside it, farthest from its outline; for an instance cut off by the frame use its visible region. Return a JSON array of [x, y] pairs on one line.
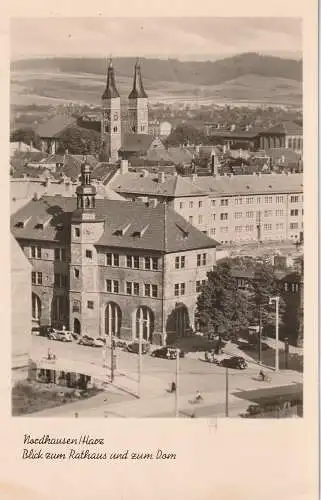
[[112, 267], [227, 208]]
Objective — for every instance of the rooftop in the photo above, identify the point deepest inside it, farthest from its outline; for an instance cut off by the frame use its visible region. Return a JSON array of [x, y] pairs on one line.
[[157, 229], [250, 184], [136, 143], [55, 126], [287, 128], [151, 184]]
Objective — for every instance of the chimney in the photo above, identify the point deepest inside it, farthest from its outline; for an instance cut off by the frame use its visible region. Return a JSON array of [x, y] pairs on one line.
[[123, 167], [161, 177]]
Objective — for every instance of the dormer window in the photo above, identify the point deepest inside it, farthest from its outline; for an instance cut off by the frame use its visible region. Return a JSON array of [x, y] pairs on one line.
[[39, 225], [138, 233], [121, 231], [20, 224]]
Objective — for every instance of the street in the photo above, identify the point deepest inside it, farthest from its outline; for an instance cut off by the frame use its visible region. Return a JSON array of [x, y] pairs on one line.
[[157, 374]]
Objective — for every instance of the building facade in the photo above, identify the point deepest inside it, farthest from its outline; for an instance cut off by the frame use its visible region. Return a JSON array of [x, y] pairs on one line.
[[111, 267], [230, 209]]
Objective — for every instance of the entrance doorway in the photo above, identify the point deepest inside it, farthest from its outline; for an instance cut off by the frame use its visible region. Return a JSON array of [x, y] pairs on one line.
[[77, 326]]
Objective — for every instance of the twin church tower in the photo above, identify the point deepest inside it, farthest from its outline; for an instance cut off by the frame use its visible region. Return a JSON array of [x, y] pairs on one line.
[[111, 123]]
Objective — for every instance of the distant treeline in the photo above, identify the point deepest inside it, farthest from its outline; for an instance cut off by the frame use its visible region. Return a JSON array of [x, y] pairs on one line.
[[173, 70]]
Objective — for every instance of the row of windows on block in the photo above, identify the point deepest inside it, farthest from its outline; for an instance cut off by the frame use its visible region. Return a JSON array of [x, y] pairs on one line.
[[132, 261], [245, 200], [250, 227], [295, 212], [133, 288], [180, 261], [59, 253]]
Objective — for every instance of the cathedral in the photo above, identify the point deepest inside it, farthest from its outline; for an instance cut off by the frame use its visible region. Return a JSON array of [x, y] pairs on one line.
[[112, 135]]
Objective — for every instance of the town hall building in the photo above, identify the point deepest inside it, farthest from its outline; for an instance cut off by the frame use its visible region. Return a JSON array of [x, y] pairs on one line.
[[106, 267]]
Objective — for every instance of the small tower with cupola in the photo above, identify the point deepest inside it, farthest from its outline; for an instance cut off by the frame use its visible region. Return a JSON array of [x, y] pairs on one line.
[[86, 230], [111, 117], [138, 104]]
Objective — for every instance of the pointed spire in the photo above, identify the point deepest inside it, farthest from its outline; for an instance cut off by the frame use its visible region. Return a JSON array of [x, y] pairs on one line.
[[138, 90], [111, 89]]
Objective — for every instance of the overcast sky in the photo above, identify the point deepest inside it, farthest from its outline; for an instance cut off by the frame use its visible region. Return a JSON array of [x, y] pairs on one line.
[[161, 37]]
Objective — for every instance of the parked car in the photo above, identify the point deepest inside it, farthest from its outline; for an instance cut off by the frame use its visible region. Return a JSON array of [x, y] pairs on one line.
[[43, 331], [61, 335], [167, 352], [234, 362], [90, 341], [134, 347]]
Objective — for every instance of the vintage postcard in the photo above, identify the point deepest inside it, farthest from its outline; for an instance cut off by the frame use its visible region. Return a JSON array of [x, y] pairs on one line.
[[162, 253]]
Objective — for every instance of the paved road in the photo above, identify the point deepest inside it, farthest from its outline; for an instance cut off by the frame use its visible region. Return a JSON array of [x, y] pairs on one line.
[[195, 374]]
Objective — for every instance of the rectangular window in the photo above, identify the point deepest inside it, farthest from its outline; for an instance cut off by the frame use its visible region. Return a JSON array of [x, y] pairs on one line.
[[147, 262], [279, 199], [190, 219], [238, 215], [213, 231], [133, 261], [176, 262], [200, 219], [181, 205], [258, 200], [77, 232], [76, 273], [199, 259], [33, 278], [90, 304], [128, 287], [294, 212], [198, 286], [213, 203], [224, 202], [182, 288], [294, 199], [108, 285], [250, 215], [238, 201], [249, 228], [238, 229], [268, 213], [280, 226], [154, 291], [294, 225], [136, 288], [268, 199], [147, 290], [224, 216], [60, 254], [112, 259], [176, 289], [200, 204], [204, 259], [191, 204], [35, 252], [224, 229], [155, 263], [268, 227], [249, 200], [89, 254], [279, 212]]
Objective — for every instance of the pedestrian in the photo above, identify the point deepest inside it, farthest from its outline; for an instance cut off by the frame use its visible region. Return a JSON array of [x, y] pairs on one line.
[[173, 387], [198, 396]]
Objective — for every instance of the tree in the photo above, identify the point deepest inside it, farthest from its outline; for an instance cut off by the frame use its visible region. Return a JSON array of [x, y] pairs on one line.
[[184, 134], [26, 135], [221, 307], [79, 141]]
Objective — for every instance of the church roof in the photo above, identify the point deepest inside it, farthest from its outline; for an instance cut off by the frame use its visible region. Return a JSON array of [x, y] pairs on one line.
[[138, 90], [111, 90], [148, 228], [136, 143]]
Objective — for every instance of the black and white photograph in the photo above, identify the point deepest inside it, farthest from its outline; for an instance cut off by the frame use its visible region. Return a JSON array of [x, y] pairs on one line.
[[157, 217]]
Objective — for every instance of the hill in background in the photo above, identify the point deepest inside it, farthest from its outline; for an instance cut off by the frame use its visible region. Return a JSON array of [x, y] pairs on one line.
[[173, 70]]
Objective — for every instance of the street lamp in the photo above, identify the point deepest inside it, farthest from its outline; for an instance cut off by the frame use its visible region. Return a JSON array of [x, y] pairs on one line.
[[276, 300]]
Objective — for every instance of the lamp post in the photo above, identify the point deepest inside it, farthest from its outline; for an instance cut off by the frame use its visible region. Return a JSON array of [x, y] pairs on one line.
[[276, 300], [140, 360], [177, 385]]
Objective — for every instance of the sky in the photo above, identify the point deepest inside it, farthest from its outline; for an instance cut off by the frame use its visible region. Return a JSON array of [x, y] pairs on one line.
[[184, 38]]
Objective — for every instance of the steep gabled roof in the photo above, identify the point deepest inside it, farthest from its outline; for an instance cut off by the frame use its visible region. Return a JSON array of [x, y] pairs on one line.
[[55, 126], [136, 143], [163, 229], [286, 128], [111, 90], [138, 90]]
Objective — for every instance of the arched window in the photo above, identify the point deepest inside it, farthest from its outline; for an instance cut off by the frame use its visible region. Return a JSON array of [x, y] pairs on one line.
[[36, 307], [144, 326], [112, 319], [87, 202]]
